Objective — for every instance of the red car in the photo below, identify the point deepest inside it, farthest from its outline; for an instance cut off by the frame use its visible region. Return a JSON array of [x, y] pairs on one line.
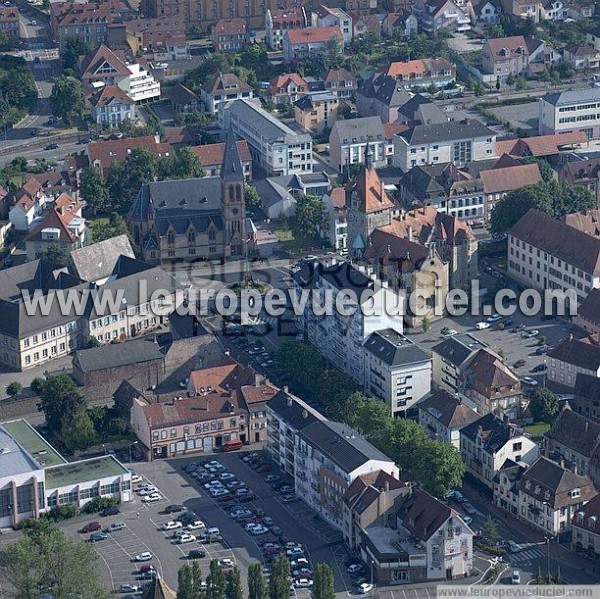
[[91, 527], [146, 568]]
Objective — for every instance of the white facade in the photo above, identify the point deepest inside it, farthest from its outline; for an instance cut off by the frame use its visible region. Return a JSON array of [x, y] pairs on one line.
[[565, 374], [278, 149], [537, 269], [458, 151], [113, 114], [574, 110], [335, 17], [212, 103], [340, 338], [22, 215], [140, 85]]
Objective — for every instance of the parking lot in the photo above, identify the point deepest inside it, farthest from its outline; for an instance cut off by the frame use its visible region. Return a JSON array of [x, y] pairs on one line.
[[292, 523]]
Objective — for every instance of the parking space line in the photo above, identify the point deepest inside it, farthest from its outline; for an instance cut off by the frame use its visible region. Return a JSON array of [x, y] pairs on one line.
[[427, 591]]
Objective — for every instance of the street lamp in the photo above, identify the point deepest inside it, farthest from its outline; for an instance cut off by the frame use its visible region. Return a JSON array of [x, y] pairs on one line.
[[130, 446]]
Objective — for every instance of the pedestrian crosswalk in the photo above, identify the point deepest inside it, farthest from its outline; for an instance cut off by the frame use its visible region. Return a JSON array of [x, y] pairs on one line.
[[527, 552]]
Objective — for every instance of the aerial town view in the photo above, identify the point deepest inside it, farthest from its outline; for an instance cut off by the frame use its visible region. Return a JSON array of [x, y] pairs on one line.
[[299, 300]]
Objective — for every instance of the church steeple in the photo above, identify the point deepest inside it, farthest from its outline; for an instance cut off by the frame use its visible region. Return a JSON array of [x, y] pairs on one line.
[[231, 169]]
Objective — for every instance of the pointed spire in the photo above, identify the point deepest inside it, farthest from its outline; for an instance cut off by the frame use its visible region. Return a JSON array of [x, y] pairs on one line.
[[231, 169]]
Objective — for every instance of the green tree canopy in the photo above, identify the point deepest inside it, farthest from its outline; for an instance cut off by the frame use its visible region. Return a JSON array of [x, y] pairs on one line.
[[438, 466], [77, 429], [215, 581], [310, 217], [46, 562], [233, 588], [17, 83], [67, 100], [544, 405], [553, 198], [59, 398], [279, 585], [251, 197], [189, 582], [74, 48], [57, 254], [94, 190], [256, 582], [323, 586], [14, 389], [101, 230]]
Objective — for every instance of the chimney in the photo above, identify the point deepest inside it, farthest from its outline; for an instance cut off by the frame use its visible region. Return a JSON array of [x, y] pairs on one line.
[[257, 379], [410, 233], [286, 389], [386, 485], [575, 469], [570, 336], [381, 191], [561, 463], [304, 414]]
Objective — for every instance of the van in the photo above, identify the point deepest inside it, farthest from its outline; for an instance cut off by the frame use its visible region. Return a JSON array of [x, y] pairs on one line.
[[516, 577], [234, 445], [116, 526], [212, 531]]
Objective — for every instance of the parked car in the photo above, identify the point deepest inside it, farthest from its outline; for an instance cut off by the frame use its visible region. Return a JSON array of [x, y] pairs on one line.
[[519, 363], [527, 380], [539, 368], [186, 538], [128, 588], [115, 526], [480, 326], [52, 147], [172, 525], [91, 527], [532, 333], [494, 318], [196, 525], [354, 568], [226, 563], [196, 554], [151, 498], [146, 556], [469, 508], [113, 510], [513, 547], [364, 588], [98, 536], [303, 583], [149, 575], [516, 577], [147, 491], [174, 508]]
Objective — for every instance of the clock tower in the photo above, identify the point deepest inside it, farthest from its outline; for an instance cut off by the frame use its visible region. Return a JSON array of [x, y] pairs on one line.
[[233, 207]]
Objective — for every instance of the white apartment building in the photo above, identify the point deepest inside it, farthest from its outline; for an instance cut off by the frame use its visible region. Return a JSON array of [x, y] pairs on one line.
[[324, 16], [486, 444], [571, 110], [340, 338], [550, 496], [140, 85], [329, 456], [337, 230], [274, 146], [396, 371], [278, 21], [546, 253], [458, 142], [570, 358]]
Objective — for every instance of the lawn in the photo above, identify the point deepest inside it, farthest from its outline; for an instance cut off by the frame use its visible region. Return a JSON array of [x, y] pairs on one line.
[[537, 429], [287, 239]]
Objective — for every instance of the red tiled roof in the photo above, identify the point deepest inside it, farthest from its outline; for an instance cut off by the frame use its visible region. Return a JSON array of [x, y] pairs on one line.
[[255, 394], [54, 220], [370, 191], [9, 13], [94, 60], [107, 94], [511, 44], [391, 129], [230, 26], [212, 154], [313, 35], [501, 180], [338, 197], [117, 150], [283, 81]]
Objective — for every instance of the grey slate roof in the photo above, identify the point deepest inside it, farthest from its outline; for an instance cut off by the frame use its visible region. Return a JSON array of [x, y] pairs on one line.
[[386, 89], [231, 169], [343, 276], [452, 130], [394, 349], [341, 444], [292, 410], [429, 111], [576, 432], [118, 354], [495, 432], [453, 350], [369, 128], [98, 260], [580, 354], [572, 96]]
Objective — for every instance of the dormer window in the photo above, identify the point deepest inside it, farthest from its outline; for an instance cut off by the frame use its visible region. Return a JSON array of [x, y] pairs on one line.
[[575, 493], [170, 238], [191, 237]]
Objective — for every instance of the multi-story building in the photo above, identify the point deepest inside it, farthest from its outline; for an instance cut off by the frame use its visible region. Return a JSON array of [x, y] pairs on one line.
[[447, 15], [458, 142], [9, 23], [276, 148], [329, 456], [571, 110], [324, 16], [444, 414], [546, 253], [287, 88], [586, 400], [341, 337], [424, 72], [402, 23], [34, 477], [340, 82], [396, 371], [522, 9], [307, 43], [193, 218], [211, 157], [140, 85], [586, 530], [287, 415], [350, 140], [317, 111], [584, 172], [337, 230], [582, 57], [570, 358], [451, 358], [230, 35], [487, 443], [224, 88], [505, 56], [162, 37], [550, 496], [278, 21], [110, 106], [381, 96], [588, 313]]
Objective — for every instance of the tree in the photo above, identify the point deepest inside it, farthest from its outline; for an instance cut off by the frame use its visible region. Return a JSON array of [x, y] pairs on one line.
[[323, 582], [498, 83], [189, 581], [77, 429], [54, 253], [334, 52], [544, 405], [94, 190], [490, 529], [14, 389], [186, 165], [67, 100], [215, 581], [251, 197], [438, 466], [310, 217], [233, 588], [256, 582], [425, 324], [100, 230], [59, 398], [19, 163], [17, 85], [510, 80], [93, 342], [279, 585], [37, 385], [74, 48], [46, 562], [546, 170]]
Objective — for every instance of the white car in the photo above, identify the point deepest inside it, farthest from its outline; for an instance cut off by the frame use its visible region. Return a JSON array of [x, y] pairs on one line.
[[146, 556], [142, 487], [467, 520], [480, 326], [303, 583], [259, 529], [354, 568], [302, 573], [136, 478], [532, 333], [365, 587], [128, 588], [450, 333], [219, 492], [148, 491], [197, 525], [226, 476], [493, 318], [186, 538], [215, 464], [172, 524], [213, 483], [151, 498], [527, 380], [226, 563]]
